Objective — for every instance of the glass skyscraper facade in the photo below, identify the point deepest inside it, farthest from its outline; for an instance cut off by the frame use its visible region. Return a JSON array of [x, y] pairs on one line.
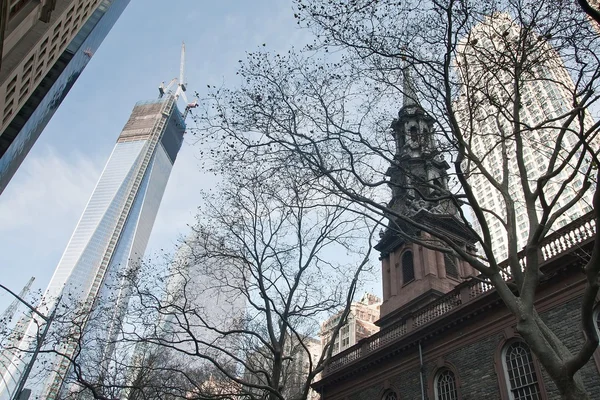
[[211, 307], [111, 236], [20, 135]]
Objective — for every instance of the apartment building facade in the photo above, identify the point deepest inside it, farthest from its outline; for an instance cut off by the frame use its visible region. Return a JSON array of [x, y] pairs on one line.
[[360, 324], [45, 47], [485, 114]]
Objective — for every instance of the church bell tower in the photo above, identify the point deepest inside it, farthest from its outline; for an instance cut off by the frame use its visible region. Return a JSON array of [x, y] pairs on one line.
[[413, 274]]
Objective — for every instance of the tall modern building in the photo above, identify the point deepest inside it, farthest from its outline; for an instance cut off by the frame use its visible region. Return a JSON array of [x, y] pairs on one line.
[[11, 334], [113, 231], [212, 302], [547, 94], [44, 47], [211, 291]]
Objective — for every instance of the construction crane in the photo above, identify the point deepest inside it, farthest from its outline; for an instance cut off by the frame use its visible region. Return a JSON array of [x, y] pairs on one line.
[[162, 89], [9, 313], [181, 86]]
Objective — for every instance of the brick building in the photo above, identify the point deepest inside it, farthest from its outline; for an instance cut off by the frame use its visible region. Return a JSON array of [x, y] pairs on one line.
[[445, 334], [359, 325]]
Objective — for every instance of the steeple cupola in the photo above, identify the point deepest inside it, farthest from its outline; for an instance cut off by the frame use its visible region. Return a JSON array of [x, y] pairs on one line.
[[413, 130], [418, 176]]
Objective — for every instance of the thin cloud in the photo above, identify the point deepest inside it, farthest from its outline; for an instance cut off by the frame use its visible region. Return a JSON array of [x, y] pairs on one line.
[[38, 214], [52, 189]]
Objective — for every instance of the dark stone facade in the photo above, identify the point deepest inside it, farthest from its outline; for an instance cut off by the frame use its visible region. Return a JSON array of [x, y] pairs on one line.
[[565, 322], [475, 367]]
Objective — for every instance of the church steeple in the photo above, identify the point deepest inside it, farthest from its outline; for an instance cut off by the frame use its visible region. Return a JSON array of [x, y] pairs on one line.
[[413, 274], [418, 174]]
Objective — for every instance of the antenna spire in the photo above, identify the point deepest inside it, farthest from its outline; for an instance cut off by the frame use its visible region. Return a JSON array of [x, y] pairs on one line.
[[181, 86], [182, 83]]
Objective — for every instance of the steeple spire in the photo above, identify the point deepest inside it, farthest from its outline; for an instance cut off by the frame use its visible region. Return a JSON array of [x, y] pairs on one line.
[[418, 174], [408, 89]]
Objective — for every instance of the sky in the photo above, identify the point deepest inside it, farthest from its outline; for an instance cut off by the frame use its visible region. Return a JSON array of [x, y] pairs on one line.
[[42, 204]]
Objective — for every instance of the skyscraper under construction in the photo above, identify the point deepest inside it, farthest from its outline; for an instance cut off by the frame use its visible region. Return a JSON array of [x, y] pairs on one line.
[[111, 236]]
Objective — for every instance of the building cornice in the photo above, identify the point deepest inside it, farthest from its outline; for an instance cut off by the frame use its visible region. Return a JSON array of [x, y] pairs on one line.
[[447, 225]]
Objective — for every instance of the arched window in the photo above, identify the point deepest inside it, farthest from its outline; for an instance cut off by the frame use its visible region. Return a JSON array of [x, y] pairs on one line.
[[450, 264], [390, 395], [444, 385], [408, 267], [521, 378]]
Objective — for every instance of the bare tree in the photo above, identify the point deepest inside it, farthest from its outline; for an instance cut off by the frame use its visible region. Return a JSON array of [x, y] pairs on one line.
[[155, 375], [71, 360], [591, 9], [238, 309], [285, 257], [474, 65], [124, 366]]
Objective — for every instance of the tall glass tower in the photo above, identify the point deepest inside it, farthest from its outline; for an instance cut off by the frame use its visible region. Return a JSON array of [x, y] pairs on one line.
[[111, 236]]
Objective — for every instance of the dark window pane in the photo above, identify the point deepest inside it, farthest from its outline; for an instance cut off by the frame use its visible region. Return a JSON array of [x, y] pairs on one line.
[[451, 267], [408, 268]]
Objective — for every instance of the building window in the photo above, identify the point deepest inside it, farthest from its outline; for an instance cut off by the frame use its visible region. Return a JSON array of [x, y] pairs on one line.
[[445, 385], [450, 264], [16, 6], [12, 84], [390, 395], [8, 108], [408, 267], [521, 378]]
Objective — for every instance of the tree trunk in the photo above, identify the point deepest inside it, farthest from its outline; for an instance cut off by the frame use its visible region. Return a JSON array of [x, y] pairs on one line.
[[276, 375], [553, 355], [573, 390]]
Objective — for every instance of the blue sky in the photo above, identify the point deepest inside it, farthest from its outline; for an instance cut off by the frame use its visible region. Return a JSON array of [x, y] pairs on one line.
[[42, 204]]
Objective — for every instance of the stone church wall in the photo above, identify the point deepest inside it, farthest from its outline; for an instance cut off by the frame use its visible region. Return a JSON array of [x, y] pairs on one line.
[[474, 362]]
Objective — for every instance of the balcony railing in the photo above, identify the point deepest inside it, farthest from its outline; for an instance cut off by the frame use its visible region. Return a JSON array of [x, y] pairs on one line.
[[555, 244]]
